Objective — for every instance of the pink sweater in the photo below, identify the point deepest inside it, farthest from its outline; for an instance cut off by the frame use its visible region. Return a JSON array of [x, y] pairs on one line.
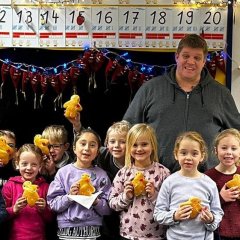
[[136, 216], [29, 223]]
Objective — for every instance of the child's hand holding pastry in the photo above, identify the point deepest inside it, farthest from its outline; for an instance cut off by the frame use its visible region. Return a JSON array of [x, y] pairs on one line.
[[128, 191], [206, 216], [74, 189], [40, 204], [229, 194], [20, 204], [150, 189], [182, 213]]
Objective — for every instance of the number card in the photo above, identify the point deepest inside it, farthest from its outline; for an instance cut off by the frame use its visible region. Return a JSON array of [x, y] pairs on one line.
[[131, 27], [5, 26], [185, 21], [214, 26], [158, 27], [105, 27], [78, 27], [52, 27], [25, 27]]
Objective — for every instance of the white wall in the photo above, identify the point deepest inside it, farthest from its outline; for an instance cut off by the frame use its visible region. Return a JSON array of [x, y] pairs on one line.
[[236, 58]]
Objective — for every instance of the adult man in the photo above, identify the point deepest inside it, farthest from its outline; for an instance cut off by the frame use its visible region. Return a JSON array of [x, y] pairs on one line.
[[185, 98]]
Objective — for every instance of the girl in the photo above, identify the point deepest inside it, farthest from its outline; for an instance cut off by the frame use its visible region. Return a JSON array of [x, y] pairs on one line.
[[227, 150], [27, 222], [136, 213], [189, 150], [74, 220]]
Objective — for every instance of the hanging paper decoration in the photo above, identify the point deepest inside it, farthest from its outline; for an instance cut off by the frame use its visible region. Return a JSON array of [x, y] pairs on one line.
[[54, 81], [64, 78], [4, 74], [35, 79], [74, 76], [118, 70], [25, 81], [44, 85], [212, 67], [220, 62], [16, 75]]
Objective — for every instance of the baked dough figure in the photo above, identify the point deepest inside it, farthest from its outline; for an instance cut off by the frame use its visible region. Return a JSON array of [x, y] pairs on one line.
[[72, 106], [42, 143], [85, 186], [5, 151], [195, 202], [139, 184], [30, 193]]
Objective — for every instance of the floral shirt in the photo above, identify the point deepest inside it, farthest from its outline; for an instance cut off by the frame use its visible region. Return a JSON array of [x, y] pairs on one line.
[[136, 215]]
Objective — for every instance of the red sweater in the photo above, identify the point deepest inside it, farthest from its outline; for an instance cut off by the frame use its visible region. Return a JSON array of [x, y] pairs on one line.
[[230, 225], [29, 223]]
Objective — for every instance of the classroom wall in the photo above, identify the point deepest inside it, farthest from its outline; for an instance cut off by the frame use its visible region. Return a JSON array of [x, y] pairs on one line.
[[236, 58]]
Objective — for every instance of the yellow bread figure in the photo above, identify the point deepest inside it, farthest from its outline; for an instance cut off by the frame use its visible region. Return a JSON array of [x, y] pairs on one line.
[[42, 143], [72, 106], [235, 182], [195, 203], [139, 184], [5, 151], [85, 186], [30, 193]]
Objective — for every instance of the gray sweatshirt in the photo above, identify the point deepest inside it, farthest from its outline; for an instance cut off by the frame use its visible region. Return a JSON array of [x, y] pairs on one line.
[[177, 189], [208, 109]]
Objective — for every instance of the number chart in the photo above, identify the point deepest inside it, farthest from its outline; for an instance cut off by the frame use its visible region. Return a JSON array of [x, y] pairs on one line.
[[149, 25]]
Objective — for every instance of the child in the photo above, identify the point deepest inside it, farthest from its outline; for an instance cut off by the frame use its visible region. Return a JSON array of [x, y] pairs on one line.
[[136, 213], [8, 170], [74, 220], [189, 150], [111, 158], [227, 150], [58, 149], [27, 222], [3, 211]]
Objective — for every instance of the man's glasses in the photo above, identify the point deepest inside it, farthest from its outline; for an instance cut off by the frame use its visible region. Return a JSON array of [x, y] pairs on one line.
[[55, 146]]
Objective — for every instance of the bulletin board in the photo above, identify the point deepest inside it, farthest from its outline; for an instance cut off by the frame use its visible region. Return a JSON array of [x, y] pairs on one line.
[[137, 24]]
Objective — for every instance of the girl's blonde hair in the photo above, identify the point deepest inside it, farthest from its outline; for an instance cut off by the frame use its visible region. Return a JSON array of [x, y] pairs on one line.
[[194, 136], [230, 131], [56, 133], [139, 130], [29, 148], [119, 128]]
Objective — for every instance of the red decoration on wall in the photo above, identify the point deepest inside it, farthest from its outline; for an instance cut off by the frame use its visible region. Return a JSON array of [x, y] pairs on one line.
[[16, 75], [44, 86], [80, 20], [25, 81], [212, 67], [220, 63], [35, 79], [4, 74], [74, 76]]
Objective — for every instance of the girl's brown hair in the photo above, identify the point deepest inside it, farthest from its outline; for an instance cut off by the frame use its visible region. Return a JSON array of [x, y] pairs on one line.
[[194, 136], [29, 148]]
